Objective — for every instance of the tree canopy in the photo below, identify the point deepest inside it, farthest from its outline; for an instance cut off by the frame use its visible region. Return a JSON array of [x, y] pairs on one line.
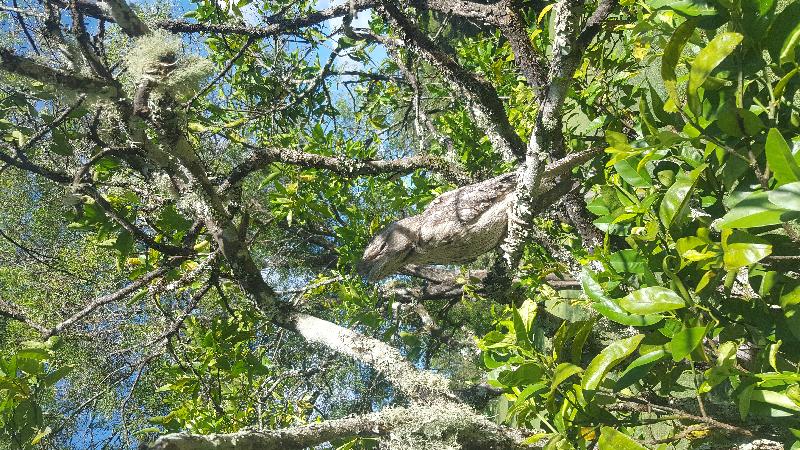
[[422, 224]]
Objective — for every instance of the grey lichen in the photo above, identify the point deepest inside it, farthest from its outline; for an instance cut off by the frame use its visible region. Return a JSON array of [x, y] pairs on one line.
[[159, 58]]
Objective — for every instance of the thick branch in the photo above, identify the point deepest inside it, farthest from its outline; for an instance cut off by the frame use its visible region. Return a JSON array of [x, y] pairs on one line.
[[547, 134], [26, 165], [405, 428], [29, 68], [344, 167], [416, 384], [126, 18]]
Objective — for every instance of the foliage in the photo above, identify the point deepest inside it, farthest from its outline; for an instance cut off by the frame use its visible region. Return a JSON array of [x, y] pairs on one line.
[[681, 326], [699, 206]]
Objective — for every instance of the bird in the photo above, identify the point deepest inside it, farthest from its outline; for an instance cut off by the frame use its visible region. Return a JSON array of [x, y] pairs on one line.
[[461, 225], [456, 227]]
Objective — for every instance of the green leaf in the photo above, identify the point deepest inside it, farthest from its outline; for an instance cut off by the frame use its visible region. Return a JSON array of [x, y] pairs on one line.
[[739, 122], [755, 210], [787, 50], [707, 60], [56, 375], [628, 172], [781, 28], [652, 300], [780, 159], [742, 249], [611, 310], [60, 145], [611, 439], [628, 261], [786, 196], [781, 86], [608, 358], [525, 374], [41, 435], [676, 200], [562, 372], [685, 341], [672, 53], [774, 398], [639, 368], [685, 7], [744, 401]]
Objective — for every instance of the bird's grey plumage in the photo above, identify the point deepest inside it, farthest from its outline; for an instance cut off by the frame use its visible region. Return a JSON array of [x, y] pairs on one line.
[[456, 227]]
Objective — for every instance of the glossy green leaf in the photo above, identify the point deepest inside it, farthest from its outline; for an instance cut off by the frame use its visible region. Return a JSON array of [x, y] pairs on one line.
[[627, 170], [611, 439], [652, 300], [786, 196], [608, 358], [639, 368], [780, 159], [628, 261], [787, 54], [780, 30], [685, 341], [685, 7], [741, 254], [672, 54], [783, 82], [774, 398], [676, 200], [562, 372], [609, 309], [527, 373], [707, 60], [755, 210]]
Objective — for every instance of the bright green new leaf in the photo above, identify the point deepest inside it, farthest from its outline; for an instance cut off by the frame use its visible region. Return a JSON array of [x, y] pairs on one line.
[[611, 439], [562, 372], [755, 210], [787, 54], [774, 398], [786, 196], [611, 310], [685, 7], [676, 200], [780, 159], [783, 82], [41, 435], [672, 53], [707, 60], [652, 300], [685, 341], [741, 254], [608, 358]]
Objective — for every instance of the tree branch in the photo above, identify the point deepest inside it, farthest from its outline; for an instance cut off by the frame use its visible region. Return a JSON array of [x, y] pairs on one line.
[[275, 24], [263, 156], [480, 96], [105, 299], [126, 18], [29, 68]]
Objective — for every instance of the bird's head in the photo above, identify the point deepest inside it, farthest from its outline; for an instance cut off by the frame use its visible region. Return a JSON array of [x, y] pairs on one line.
[[387, 252]]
